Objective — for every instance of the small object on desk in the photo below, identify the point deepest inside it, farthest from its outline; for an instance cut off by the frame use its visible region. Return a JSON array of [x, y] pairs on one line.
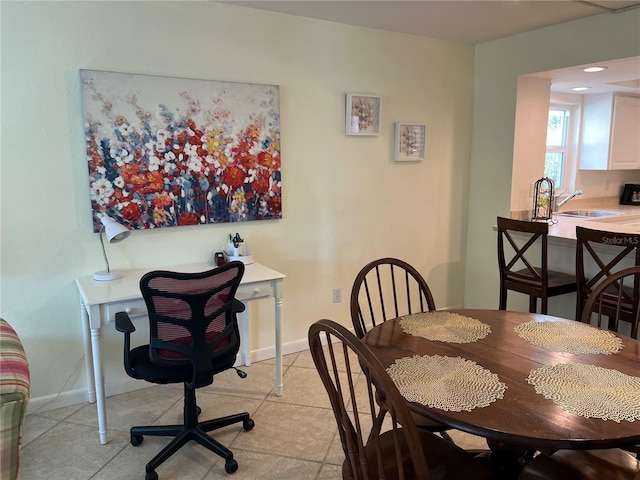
[[219, 258], [238, 250]]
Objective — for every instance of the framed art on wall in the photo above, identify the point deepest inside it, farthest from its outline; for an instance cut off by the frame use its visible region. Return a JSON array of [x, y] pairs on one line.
[[363, 114], [410, 142], [166, 151]]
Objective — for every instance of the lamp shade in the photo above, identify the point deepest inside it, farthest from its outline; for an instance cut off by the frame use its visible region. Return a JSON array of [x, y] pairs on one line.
[[115, 232]]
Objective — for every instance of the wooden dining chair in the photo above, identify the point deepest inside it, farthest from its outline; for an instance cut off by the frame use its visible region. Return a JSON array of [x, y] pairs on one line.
[[378, 435], [599, 254], [617, 298], [387, 288], [517, 271]]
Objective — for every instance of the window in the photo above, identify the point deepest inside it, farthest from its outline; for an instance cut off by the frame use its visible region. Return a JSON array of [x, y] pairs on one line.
[[557, 155], [558, 162]]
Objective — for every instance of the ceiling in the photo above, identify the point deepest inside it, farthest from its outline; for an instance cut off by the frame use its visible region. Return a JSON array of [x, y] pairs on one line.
[[475, 21], [622, 75], [467, 21]]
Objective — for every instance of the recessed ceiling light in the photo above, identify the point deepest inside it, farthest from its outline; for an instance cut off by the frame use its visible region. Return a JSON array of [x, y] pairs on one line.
[[593, 69], [580, 89]]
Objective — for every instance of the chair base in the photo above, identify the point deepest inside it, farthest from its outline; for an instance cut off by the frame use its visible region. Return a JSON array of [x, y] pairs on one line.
[[183, 434]]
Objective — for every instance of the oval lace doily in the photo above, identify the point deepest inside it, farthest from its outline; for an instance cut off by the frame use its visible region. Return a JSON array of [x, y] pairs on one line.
[[444, 327], [447, 383], [572, 337], [589, 391]]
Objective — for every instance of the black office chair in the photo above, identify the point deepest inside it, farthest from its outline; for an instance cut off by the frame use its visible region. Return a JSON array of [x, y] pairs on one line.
[[193, 335]]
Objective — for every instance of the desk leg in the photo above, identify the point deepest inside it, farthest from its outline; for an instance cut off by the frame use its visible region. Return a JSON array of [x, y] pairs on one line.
[[88, 360], [278, 302], [243, 318], [99, 382]]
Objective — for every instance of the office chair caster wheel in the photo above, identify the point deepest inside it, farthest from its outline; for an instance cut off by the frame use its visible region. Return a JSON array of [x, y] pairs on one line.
[[152, 475], [136, 440], [248, 424], [230, 466]]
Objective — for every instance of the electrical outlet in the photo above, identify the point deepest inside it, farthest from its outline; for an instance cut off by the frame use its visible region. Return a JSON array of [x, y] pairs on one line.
[[337, 295]]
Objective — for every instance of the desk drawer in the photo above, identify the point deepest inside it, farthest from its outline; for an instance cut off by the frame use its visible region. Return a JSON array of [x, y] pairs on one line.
[[254, 291], [135, 308]]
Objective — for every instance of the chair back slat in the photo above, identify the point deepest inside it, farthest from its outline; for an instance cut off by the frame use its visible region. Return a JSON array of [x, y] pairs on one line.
[[617, 298], [387, 288]]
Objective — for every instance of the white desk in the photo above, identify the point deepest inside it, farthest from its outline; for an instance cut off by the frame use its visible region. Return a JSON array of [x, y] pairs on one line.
[[99, 302]]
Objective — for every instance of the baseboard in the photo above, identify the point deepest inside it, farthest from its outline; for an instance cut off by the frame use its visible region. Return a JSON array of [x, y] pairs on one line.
[[74, 397], [287, 349]]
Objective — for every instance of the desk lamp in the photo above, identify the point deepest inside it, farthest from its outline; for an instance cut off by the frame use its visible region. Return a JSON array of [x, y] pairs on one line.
[[114, 232]]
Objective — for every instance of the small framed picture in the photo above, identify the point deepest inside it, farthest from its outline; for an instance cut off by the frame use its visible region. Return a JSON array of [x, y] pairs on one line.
[[363, 114], [410, 142]]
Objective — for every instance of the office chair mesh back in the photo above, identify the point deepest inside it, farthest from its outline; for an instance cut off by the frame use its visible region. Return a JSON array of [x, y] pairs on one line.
[[191, 320]]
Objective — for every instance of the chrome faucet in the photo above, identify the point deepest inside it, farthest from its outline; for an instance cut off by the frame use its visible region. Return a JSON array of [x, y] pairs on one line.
[[560, 203]]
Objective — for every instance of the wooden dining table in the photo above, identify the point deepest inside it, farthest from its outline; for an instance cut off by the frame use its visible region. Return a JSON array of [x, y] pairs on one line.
[[522, 420]]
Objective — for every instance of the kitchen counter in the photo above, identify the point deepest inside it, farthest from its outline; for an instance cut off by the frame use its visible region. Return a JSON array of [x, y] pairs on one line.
[[629, 222]]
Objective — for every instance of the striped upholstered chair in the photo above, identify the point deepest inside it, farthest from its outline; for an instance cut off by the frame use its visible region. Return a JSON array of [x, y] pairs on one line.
[[14, 395]]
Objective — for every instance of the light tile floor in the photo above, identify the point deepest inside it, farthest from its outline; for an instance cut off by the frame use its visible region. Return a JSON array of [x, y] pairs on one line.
[[295, 435]]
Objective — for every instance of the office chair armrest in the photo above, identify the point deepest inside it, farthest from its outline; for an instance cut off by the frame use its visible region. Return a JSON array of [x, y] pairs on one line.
[[124, 324], [237, 307]]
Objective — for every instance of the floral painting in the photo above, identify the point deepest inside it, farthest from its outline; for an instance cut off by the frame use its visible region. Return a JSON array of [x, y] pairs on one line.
[[166, 152]]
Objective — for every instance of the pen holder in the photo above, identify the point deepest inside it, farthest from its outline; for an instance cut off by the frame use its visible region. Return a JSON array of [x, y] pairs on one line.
[[241, 253]]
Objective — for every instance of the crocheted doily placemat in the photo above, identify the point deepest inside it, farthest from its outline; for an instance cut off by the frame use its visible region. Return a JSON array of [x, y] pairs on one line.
[[589, 391], [447, 383], [444, 327], [572, 337]]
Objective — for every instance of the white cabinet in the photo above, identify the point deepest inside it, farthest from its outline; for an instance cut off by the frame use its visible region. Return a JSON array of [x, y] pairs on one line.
[[610, 132]]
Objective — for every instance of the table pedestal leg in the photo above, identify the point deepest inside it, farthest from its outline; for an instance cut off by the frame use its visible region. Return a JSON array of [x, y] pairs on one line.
[[505, 460]]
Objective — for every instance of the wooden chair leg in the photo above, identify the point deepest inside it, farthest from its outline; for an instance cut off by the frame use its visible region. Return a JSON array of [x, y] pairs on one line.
[[544, 301], [503, 299], [533, 304]]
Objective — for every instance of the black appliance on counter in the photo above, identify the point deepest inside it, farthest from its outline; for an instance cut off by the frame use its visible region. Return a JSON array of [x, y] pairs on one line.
[[630, 194]]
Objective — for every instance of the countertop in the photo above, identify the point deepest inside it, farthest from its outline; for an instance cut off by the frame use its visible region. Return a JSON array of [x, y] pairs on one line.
[[628, 222], [564, 227]]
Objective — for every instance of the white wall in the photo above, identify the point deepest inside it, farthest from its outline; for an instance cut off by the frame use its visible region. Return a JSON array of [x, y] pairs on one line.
[[497, 67], [532, 112], [345, 202]]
